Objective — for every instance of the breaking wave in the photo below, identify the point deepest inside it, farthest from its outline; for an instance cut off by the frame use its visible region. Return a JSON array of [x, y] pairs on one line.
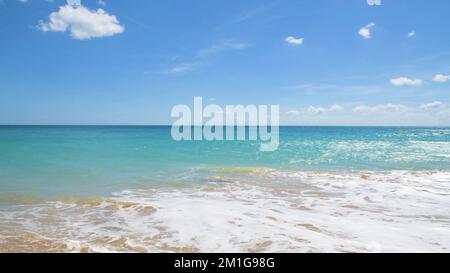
[[244, 210]]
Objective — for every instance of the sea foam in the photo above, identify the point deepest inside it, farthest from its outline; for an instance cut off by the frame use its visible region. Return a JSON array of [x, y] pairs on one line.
[[248, 211]]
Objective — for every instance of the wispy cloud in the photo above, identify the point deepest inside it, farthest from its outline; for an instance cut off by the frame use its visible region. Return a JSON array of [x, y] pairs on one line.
[[249, 14], [316, 110], [370, 109], [220, 47], [389, 114], [382, 108], [365, 32], [181, 68], [432, 106], [435, 106], [336, 108], [406, 81], [202, 56]]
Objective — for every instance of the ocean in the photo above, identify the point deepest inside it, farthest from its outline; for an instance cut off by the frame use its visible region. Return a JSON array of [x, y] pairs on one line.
[[135, 189]]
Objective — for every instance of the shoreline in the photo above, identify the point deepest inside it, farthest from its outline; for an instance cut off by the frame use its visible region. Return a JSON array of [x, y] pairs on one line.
[[269, 211]]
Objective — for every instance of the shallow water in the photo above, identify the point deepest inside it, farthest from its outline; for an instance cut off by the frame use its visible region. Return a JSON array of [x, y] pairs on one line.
[[132, 189]]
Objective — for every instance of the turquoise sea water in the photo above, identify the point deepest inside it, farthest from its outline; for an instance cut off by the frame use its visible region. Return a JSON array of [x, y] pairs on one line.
[[91, 161], [134, 189]]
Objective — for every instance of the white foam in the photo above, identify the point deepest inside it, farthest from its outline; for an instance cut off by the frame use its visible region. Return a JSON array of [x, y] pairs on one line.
[[277, 211]]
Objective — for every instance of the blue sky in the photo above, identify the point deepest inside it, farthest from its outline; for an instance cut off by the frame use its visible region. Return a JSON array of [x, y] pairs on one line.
[[333, 62]]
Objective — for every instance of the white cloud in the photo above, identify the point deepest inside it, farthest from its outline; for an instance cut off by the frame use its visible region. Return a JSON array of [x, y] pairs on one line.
[[365, 31], [374, 2], [336, 108], [313, 110], [316, 110], [412, 34], [389, 114], [181, 68], [294, 41], [82, 23], [405, 81], [393, 108], [441, 78], [380, 108], [432, 105]]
